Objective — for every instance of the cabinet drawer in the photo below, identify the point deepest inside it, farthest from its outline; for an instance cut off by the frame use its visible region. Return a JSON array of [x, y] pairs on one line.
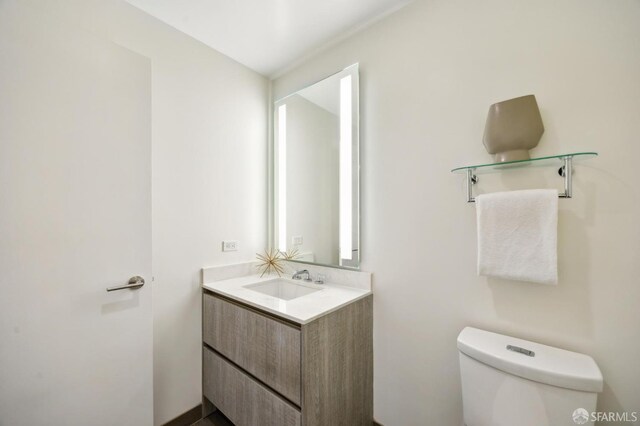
[[242, 399], [265, 347]]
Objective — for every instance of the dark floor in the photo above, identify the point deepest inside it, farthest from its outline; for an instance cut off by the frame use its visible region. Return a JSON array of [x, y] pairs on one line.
[[215, 419]]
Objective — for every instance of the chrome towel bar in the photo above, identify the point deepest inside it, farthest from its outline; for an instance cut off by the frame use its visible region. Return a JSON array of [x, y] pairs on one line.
[[565, 171]]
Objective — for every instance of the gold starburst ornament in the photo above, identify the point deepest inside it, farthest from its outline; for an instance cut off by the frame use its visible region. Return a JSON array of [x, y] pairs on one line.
[[271, 261]]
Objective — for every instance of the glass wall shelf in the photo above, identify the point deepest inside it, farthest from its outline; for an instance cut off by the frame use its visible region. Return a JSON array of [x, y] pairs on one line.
[[552, 160], [565, 161]]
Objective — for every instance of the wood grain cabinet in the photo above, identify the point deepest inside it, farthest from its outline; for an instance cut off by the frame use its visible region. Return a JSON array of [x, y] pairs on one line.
[[260, 369]]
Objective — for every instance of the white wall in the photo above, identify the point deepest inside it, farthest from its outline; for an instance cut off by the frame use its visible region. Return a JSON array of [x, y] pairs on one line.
[[209, 133], [313, 135], [428, 75]]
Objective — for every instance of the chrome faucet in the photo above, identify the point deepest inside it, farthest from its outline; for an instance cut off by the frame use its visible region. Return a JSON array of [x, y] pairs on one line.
[[299, 275]]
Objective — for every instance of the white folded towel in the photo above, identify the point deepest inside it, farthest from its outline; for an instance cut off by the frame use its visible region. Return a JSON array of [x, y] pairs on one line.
[[518, 235]]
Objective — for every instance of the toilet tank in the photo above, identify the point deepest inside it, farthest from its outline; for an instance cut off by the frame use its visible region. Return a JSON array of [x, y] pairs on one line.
[[508, 381]]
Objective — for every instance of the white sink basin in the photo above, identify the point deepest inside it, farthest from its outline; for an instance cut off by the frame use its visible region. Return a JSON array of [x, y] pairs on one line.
[[282, 289]]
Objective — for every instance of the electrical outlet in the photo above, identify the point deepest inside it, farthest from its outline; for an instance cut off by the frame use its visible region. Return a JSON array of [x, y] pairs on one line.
[[230, 245], [297, 240]]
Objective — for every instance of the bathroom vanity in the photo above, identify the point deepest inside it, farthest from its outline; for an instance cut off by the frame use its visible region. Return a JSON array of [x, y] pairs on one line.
[[283, 352]]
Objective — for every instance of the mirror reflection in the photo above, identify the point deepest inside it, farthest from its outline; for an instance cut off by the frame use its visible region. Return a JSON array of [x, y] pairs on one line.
[[316, 170]]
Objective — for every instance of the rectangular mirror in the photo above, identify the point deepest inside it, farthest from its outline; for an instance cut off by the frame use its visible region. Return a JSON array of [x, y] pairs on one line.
[[316, 172]]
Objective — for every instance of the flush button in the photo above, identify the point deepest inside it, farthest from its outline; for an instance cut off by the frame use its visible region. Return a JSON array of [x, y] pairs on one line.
[[523, 351]]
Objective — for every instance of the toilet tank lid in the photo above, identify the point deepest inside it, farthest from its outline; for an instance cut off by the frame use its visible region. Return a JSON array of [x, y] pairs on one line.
[[549, 365]]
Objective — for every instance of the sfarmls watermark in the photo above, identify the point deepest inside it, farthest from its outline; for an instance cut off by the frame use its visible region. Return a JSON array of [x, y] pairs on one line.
[[582, 416]]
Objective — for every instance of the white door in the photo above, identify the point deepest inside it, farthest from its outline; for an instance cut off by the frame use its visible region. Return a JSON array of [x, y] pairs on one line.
[[75, 218]]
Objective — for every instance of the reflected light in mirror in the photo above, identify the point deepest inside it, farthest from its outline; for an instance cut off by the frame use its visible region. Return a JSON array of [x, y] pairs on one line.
[[346, 176], [282, 178]]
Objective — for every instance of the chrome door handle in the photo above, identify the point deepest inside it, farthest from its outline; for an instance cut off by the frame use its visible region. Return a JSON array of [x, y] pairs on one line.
[[134, 283]]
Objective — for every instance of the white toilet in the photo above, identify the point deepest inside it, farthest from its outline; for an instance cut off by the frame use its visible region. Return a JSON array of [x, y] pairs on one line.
[[508, 381]]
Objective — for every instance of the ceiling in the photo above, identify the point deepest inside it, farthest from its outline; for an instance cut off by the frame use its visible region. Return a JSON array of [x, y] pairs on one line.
[[268, 36]]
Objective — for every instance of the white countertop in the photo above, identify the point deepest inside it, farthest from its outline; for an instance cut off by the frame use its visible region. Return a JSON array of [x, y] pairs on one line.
[[301, 310]]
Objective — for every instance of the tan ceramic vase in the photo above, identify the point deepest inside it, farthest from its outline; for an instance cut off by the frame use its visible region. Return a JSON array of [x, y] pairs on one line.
[[513, 127]]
